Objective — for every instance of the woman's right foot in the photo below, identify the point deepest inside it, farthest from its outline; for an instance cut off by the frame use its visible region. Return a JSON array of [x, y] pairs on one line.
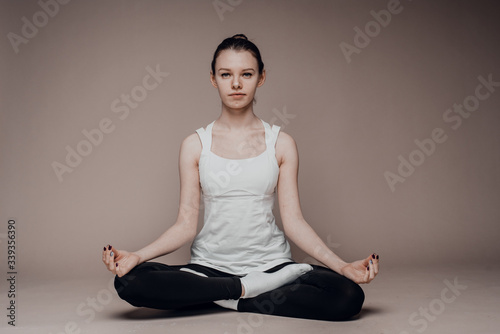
[[256, 282]]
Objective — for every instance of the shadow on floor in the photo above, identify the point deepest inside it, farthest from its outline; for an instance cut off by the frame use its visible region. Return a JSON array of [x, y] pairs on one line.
[[144, 313], [367, 312]]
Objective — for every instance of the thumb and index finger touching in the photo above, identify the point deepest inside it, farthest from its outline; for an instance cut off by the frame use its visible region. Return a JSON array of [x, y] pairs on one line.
[[109, 255], [372, 266]]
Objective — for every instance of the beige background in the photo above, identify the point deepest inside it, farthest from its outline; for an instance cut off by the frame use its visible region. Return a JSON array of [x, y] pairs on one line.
[[351, 122]]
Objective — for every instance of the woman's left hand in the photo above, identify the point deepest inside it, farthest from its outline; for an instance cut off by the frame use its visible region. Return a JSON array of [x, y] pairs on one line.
[[362, 271]]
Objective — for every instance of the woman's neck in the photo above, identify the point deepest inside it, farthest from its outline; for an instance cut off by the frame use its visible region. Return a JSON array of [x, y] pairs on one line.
[[237, 119]]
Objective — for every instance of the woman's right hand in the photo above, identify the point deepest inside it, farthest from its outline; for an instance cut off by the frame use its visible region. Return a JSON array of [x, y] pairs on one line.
[[119, 262]]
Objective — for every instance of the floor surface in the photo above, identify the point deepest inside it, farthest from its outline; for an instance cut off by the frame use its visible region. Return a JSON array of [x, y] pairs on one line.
[[400, 300]]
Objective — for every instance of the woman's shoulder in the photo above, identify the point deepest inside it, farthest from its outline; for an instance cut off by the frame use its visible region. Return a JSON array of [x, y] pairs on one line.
[[191, 146], [285, 140], [286, 148]]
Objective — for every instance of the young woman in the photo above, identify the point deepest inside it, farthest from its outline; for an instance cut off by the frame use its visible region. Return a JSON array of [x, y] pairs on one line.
[[241, 259]]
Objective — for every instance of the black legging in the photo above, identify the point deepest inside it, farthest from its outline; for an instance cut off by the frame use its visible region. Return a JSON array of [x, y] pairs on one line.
[[320, 294]]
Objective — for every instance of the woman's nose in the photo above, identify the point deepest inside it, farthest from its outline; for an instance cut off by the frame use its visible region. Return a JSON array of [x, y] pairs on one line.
[[236, 83]]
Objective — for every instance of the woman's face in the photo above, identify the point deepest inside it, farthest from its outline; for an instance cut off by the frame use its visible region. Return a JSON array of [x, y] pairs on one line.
[[237, 78]]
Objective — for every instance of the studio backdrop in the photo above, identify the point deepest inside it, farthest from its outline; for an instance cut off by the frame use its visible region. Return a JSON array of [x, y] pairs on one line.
[[394, 106]]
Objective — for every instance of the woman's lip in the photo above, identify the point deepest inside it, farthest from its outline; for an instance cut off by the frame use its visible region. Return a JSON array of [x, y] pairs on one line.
[[236, 94]]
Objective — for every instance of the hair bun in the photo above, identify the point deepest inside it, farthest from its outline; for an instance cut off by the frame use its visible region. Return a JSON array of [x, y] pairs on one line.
[[238, 42], [240, 36]]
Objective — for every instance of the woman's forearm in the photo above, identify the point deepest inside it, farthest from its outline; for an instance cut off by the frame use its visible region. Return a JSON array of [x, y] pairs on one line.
[[172, 239], [302, 234]]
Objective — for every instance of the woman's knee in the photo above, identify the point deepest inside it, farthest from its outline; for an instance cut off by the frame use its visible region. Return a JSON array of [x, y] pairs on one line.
[[123, 286], [133, 286], [353, 300], [346, 301], [344, 304], [352, 297], [128, 286]]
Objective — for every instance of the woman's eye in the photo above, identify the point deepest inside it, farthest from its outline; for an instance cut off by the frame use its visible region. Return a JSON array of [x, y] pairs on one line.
[[224, 75], [247, 75]]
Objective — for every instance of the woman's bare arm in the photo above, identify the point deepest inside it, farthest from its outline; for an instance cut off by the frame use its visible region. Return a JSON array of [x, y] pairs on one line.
[[184, 229], [295, 226]]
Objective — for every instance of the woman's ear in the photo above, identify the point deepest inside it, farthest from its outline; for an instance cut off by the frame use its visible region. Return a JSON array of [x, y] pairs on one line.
[[212, 79], [262, 78]]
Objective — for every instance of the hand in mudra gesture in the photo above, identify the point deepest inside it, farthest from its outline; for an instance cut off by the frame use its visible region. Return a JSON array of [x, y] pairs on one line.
[[362, 271], [119, 262]]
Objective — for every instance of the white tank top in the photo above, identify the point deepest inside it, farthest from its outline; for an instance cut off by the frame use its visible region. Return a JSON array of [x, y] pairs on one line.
[[239, 234]]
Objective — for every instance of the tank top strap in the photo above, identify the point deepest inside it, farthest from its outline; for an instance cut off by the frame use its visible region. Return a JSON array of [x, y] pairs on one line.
[[271, 135], [275, 129], [205, 135]]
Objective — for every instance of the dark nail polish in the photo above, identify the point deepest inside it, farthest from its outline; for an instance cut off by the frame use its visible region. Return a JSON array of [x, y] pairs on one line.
[[373, 255], [117, 264], [109, 247], [377, 257], [104, 248], [367, 268]]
